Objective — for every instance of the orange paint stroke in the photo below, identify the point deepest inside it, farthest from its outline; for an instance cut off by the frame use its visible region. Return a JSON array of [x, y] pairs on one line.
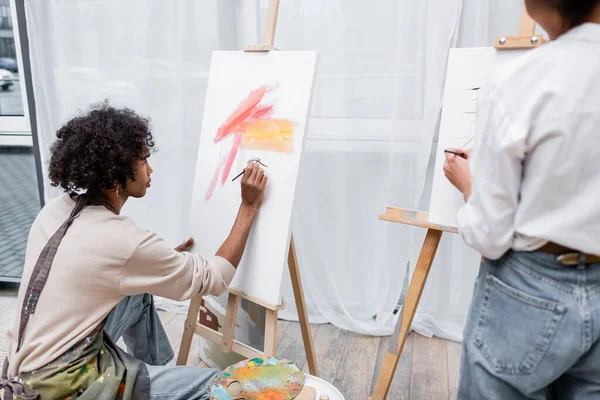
[[252, 127], [268, 134]]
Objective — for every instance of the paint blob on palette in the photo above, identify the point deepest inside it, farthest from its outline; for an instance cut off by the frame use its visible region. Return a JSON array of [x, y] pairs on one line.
[[269, 378]]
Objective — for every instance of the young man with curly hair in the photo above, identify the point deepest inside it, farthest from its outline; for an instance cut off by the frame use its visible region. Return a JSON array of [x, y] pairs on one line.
[[90, 274]]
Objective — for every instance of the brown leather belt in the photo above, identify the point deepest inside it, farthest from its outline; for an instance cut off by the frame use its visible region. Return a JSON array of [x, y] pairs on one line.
[[567, 256]]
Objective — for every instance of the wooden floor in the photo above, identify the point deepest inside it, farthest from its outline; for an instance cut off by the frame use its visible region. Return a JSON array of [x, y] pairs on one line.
[[428, 368]]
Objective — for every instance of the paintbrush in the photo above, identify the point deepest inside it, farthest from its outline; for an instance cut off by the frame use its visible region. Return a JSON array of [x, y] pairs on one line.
[[468, 141], [457, 153], [462, 155], [249, 161]]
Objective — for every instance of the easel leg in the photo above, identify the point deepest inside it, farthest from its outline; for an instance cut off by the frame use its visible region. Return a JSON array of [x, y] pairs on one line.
[[233, 304], [270, 333], [188, 331], [309, 347], [527, 25], [415, 289], [271, 24]]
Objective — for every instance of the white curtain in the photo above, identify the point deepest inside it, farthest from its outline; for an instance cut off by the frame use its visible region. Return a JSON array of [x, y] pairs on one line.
[[373, 121], [371, 134]]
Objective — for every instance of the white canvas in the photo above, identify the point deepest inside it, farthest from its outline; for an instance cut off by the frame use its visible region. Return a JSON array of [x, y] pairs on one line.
[[285, 81], [467, 70]]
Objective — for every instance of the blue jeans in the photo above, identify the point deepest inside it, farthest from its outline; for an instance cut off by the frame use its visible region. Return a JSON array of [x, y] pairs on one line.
[[532, 323], [135, 320]]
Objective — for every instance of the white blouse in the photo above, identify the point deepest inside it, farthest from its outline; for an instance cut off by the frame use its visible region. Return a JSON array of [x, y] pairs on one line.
[[535, 164]]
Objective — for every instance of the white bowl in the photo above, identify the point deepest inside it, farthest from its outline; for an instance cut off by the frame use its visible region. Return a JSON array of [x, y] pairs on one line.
[[322, 387]]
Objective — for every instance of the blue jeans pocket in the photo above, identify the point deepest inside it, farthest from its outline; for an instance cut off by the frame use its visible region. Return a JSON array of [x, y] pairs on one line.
[[514, 329]]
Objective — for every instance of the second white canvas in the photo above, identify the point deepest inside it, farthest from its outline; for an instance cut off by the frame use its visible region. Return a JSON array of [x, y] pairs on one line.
[[468, 70], [256, 107]]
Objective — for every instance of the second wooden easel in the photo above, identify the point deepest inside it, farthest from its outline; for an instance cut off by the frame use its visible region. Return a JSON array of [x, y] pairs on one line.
[[526, 39], [193, 324]]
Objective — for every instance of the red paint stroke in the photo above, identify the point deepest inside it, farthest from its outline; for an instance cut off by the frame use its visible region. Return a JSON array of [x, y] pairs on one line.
[[234, 150], [213, 183], [245, 110], [251, 126]]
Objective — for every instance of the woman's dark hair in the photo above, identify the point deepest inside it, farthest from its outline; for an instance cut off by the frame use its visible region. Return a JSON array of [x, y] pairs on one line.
[[574, 12], [98, 149]]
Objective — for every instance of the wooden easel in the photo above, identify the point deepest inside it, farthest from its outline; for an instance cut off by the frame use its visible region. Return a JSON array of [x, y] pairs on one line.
[[226, 339], [526, 39]]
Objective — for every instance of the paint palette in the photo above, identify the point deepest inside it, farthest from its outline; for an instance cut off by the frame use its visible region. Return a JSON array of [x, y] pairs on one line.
[[268, 378]]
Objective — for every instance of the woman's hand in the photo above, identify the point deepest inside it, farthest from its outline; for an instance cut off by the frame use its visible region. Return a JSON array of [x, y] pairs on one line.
[[185, 246], [456, 169]]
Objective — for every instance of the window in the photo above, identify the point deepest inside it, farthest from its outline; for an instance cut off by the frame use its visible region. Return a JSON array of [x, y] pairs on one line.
[[7, 48], [19, 190], [369, 88], [14, 117], [5, 18]]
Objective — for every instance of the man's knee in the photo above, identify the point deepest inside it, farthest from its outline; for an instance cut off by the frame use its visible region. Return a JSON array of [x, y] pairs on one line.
[[180, 383]]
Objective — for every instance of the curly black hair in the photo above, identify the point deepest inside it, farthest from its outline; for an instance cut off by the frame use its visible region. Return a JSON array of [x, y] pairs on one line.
[[98, 149]]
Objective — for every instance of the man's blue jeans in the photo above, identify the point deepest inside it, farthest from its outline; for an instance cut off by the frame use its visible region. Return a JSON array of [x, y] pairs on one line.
[[532, 322], [135, 320]]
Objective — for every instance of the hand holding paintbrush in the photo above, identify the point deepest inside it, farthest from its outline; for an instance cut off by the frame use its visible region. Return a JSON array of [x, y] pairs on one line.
[[255, 160], [460, 152], [457, 152], [456, 169]]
